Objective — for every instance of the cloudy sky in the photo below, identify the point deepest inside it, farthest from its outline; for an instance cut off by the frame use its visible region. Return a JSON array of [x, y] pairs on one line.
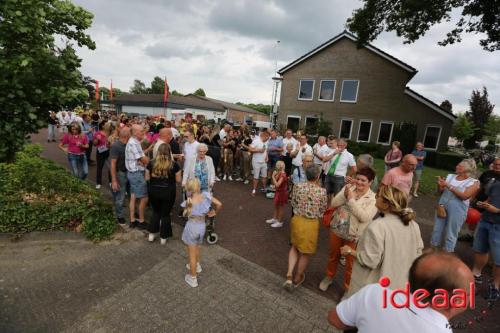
[[228, 47]]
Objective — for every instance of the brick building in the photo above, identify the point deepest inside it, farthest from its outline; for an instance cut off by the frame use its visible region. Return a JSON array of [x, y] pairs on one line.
[[361, 91]]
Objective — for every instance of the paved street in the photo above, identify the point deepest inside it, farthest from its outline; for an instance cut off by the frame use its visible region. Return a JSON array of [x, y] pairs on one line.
[[130, 285]]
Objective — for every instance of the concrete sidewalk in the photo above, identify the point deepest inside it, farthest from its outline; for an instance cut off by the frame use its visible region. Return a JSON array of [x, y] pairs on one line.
[[50, 283]]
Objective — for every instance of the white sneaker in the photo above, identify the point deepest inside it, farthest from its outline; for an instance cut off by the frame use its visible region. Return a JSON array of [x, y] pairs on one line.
[[415, 194], [277, 224], [230, 178], [198, 267], [163, 241], [246, 182], [239, 179], [217, 179], [98, 186], [191, 280], [325, 283], [151, 237], [224, 178], [253, 192], [271, 221]]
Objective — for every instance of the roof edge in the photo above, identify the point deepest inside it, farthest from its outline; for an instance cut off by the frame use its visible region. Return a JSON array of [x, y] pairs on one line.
[[352, 37], [429, 103]]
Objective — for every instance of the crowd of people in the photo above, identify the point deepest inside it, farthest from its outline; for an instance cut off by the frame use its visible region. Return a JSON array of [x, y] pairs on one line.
[[372, 228]]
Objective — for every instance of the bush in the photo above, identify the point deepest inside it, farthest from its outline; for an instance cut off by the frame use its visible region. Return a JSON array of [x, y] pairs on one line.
[[38, 195]]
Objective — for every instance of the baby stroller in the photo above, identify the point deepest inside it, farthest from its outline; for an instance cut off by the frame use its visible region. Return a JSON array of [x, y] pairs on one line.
[[210, 234]]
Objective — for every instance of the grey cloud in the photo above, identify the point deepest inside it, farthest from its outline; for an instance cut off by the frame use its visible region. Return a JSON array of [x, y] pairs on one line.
[[170, 49]]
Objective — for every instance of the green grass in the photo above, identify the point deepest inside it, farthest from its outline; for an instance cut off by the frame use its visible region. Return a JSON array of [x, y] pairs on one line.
[[428, 181]]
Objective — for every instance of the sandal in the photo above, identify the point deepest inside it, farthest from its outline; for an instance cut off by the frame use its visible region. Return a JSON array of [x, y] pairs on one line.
[[301, 281], [288, 285]]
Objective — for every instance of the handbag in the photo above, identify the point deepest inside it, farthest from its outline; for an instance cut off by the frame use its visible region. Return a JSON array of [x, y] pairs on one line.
[[441, 211], [327, 217], [342, 222]]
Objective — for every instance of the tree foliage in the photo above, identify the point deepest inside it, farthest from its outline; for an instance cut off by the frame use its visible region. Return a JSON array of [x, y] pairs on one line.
[[411, 19], [38, 75], [138, 88], [463, 129], [264, 108], [200, 92], [446, 105], [479, 114], [492, 127], [157, 86]]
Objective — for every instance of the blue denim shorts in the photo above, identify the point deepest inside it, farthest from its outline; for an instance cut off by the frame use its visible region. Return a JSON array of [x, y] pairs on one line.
[[487, 239], [138, 185]]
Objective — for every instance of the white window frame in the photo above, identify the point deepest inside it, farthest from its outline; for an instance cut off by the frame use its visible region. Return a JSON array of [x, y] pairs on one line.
[[334, 88], [390, 136], [357, 90], [439, 136], [312, 92], [309, 117], [350, 130], [293, 116], [359, 129]]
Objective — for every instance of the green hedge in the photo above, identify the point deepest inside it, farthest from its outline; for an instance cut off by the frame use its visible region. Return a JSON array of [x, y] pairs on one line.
[[441, 160], [37, 195]]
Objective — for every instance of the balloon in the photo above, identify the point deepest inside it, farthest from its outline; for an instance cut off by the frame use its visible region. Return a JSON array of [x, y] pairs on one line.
[[473, 216]]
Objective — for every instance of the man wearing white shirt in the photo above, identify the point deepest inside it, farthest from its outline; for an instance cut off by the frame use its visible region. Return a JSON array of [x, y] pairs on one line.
[[365, 311], [321, 149], [341, 164], [289, 139], [63, 122], [259, 160], [190, 147], [301, 149], [223, 132]]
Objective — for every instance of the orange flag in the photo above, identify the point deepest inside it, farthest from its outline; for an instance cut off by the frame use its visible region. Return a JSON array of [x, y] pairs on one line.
[[97, 94]]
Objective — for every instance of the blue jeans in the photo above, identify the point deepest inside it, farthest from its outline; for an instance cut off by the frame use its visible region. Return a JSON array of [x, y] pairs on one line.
[[78, 165], [456, 212], [487, 239], [119, 196], [52, 132]]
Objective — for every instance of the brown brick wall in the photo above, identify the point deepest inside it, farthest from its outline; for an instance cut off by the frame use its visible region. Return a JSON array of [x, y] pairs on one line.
[[239, 116], [381, 94]]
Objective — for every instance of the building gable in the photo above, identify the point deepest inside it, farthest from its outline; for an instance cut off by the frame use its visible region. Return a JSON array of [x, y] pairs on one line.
[[351, 37]]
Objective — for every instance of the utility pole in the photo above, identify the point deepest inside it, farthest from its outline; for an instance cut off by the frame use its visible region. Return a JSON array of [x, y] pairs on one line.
[[276, 81]]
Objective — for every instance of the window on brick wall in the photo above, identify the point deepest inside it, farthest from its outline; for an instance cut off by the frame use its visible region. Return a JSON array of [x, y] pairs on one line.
[[306, 88], [345, 128], [349, 92], [385, 132], [365, 130], [431, 137], [327, 90]]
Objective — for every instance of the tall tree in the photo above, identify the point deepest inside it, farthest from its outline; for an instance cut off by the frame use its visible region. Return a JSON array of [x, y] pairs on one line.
[[38, 75], [463, 129], [138, 88], [157, 86], [176, 93], [492, 127], [411, 19], [200, 92], [446, 105], [479, 114]]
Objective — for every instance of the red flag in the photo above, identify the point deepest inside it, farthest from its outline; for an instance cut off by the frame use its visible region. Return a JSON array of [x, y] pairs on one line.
[[111, 91], [97, 94], [165, 92]]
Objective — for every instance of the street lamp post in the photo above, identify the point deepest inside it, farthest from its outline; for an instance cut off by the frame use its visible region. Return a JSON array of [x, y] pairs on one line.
[[276, 81]]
